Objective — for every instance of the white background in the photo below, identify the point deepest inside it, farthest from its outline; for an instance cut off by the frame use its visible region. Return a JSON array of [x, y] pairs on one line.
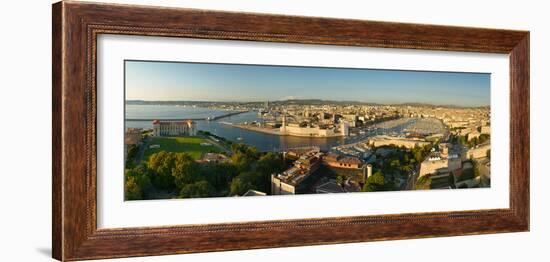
[[25, 158], [114, 212]]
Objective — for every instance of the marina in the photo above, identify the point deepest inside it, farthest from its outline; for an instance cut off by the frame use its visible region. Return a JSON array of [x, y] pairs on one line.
[[229, 126]]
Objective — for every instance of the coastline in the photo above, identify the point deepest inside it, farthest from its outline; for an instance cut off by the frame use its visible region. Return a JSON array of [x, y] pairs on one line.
[[273, 131]]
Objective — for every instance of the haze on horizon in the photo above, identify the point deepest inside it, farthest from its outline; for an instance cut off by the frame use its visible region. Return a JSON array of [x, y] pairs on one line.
[[181, 81]]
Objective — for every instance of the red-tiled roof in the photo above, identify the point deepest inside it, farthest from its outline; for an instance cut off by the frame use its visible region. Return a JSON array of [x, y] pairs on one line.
[[350, 160], [331, 157]]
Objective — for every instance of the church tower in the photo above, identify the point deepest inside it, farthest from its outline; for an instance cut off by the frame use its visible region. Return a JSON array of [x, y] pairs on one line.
[[367, 172], [283, 124]]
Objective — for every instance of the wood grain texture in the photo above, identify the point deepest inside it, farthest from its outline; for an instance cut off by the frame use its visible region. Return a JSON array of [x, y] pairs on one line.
[[75, 29], [57, 198], [519, 129]]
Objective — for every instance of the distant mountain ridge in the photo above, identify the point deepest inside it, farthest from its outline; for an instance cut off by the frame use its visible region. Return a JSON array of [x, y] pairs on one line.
[[290, 102]]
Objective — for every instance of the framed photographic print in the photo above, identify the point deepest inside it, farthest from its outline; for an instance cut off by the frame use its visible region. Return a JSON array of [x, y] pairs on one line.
[[182, 130]]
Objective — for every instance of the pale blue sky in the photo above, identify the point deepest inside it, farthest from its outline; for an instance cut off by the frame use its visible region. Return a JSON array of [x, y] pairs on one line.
[[229, 82]]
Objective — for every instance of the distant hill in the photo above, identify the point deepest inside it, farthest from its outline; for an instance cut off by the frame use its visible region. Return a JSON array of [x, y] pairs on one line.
[[319, 102], [287, 102], [145, 102]]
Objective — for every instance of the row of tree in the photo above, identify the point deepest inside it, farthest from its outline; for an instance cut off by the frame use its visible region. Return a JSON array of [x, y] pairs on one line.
[[400, 162], [472, 142]]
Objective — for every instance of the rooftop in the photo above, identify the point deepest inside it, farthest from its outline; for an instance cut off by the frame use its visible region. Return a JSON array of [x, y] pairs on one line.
[[254, 193], [330, 187], [159, 122]]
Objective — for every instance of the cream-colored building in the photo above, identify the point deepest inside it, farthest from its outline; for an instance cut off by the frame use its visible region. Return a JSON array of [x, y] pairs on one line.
[[378, 141], [480, 151], [294, 129], [174, 128], [433, 165], [486, 129], [444, 160]]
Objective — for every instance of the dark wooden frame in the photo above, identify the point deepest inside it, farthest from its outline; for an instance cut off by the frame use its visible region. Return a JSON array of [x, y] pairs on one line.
[[76, 26]]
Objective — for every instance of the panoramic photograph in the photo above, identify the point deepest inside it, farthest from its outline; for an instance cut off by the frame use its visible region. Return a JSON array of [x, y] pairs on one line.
[[198, 130]]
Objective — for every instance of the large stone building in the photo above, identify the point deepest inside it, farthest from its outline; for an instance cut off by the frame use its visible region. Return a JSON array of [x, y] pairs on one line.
[[174, 128], [441, 161], [383, 140], [288, 182], [339, 161], [310, 159], [328, 130]]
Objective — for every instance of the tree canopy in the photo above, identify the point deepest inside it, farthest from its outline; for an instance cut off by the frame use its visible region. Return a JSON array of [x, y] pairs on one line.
[[424, 182], [160, 165], [197, 189], [243, 156], [132, 191], [376, 182], [179, 174], [137, 183], [243, 183], [185, 170]]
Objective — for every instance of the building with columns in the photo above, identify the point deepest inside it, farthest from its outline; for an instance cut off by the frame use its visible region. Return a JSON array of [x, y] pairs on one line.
[[174, 128]]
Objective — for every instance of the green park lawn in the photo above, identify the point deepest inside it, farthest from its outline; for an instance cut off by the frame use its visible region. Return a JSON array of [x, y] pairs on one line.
[[190, 145]]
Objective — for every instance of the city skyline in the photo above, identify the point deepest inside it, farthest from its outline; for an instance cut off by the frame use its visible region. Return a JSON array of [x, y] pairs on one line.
[[183, 81]]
